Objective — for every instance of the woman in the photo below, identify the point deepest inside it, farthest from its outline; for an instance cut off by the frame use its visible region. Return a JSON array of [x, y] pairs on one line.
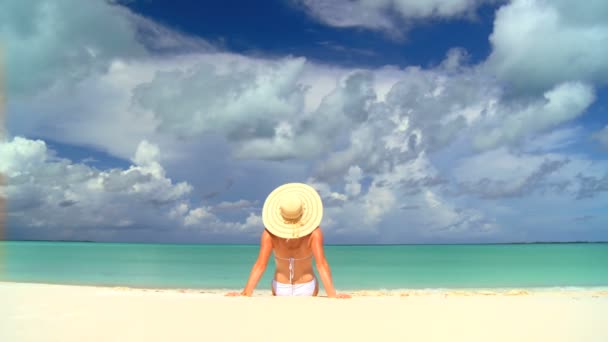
[[292, 214]]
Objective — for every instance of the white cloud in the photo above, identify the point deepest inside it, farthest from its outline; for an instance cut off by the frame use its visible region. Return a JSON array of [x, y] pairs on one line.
[[330, 198], [179, 211], [258, 107], [561, 104], [501, 174], [195, 216], [423, 110], [438, 218], [376, 14], [148, 155], [377, 202], [553, 140], [353, 181], [538, 44], [403, 201], [203, 220], [380, 145], [60, 198], [55, 193], [386, 214], [48, 42], [246, 101], [235, 205]]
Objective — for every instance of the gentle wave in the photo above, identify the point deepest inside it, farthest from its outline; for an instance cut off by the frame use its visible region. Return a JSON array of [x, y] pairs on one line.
[[593, 291]]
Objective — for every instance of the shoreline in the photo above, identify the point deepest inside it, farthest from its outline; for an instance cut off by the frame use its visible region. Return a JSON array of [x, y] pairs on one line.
[[595, 291]]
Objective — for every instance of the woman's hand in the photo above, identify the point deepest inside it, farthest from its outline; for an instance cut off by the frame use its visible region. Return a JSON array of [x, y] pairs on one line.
[[341, 295], [236, 294]]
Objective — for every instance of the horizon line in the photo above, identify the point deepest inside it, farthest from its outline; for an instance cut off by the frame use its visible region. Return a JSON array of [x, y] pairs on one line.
[[327, 244]]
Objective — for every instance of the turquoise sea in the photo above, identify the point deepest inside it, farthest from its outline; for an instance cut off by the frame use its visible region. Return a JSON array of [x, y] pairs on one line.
[[353, 267]]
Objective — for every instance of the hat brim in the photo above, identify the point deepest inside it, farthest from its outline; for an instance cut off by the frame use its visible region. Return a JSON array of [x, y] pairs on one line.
[[311, 216]]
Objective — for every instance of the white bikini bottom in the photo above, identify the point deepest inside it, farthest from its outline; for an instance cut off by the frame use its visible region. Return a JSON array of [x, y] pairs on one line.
[[304, 289]]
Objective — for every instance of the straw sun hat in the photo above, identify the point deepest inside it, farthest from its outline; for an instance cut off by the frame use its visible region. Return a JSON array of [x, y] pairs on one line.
[[292, 210]]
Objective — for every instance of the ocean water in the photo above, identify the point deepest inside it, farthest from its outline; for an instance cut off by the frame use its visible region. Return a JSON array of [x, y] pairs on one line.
[[353, 267]]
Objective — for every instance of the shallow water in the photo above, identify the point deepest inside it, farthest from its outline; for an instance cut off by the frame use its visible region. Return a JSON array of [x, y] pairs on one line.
[[353, 267]]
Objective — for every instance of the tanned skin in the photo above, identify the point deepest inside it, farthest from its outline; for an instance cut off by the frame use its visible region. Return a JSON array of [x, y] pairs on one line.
[[300, 248]]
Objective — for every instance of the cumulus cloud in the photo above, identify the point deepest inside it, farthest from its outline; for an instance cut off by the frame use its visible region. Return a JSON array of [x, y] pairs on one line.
[[441, 218], [538, 44], [377, 211], [501, 174], [380, 145], [353, 181], [330, 198], [58, 59], [74, 200], [383, 14], [55, 193], [411, 176], [45, 44], [202, 219], [262, 109], [205, 99], [311, 133], [195, 216], [377, 202], [422, 110], [561, 104], [235, 205], [377, 215]]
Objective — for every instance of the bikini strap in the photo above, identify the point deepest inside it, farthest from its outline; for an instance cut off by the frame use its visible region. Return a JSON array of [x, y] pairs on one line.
[[290, 258], [291, 265]]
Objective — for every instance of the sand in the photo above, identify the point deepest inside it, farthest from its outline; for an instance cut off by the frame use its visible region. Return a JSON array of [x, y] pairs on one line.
[[40, 312]]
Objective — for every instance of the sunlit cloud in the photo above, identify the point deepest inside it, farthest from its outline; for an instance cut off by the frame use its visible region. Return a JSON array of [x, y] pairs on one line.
[[446, 152]]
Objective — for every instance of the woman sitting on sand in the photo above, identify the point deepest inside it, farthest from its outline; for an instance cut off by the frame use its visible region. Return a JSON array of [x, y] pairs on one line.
[[292, 214]]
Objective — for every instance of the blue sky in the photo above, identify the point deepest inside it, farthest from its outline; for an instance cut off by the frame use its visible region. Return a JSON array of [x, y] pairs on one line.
[[438, 121], [278, 28]]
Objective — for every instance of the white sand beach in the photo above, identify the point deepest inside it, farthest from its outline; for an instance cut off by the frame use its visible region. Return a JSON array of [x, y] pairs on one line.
[[40, 312]]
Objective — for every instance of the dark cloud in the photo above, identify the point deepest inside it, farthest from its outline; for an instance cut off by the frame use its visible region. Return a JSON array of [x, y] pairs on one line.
[[590, 186], [584, 218], [410, 207], [211, 195], [495, 189], [67, 203]]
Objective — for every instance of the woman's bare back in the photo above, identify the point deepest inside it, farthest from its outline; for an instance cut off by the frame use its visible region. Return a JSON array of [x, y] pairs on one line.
[[300, 250]]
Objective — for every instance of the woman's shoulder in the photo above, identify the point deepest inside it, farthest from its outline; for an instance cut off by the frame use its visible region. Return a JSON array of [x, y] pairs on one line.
[[316, 235]]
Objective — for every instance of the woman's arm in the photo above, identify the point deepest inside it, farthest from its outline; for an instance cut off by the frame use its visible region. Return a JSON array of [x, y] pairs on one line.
[[323, 265], [260, 265]]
